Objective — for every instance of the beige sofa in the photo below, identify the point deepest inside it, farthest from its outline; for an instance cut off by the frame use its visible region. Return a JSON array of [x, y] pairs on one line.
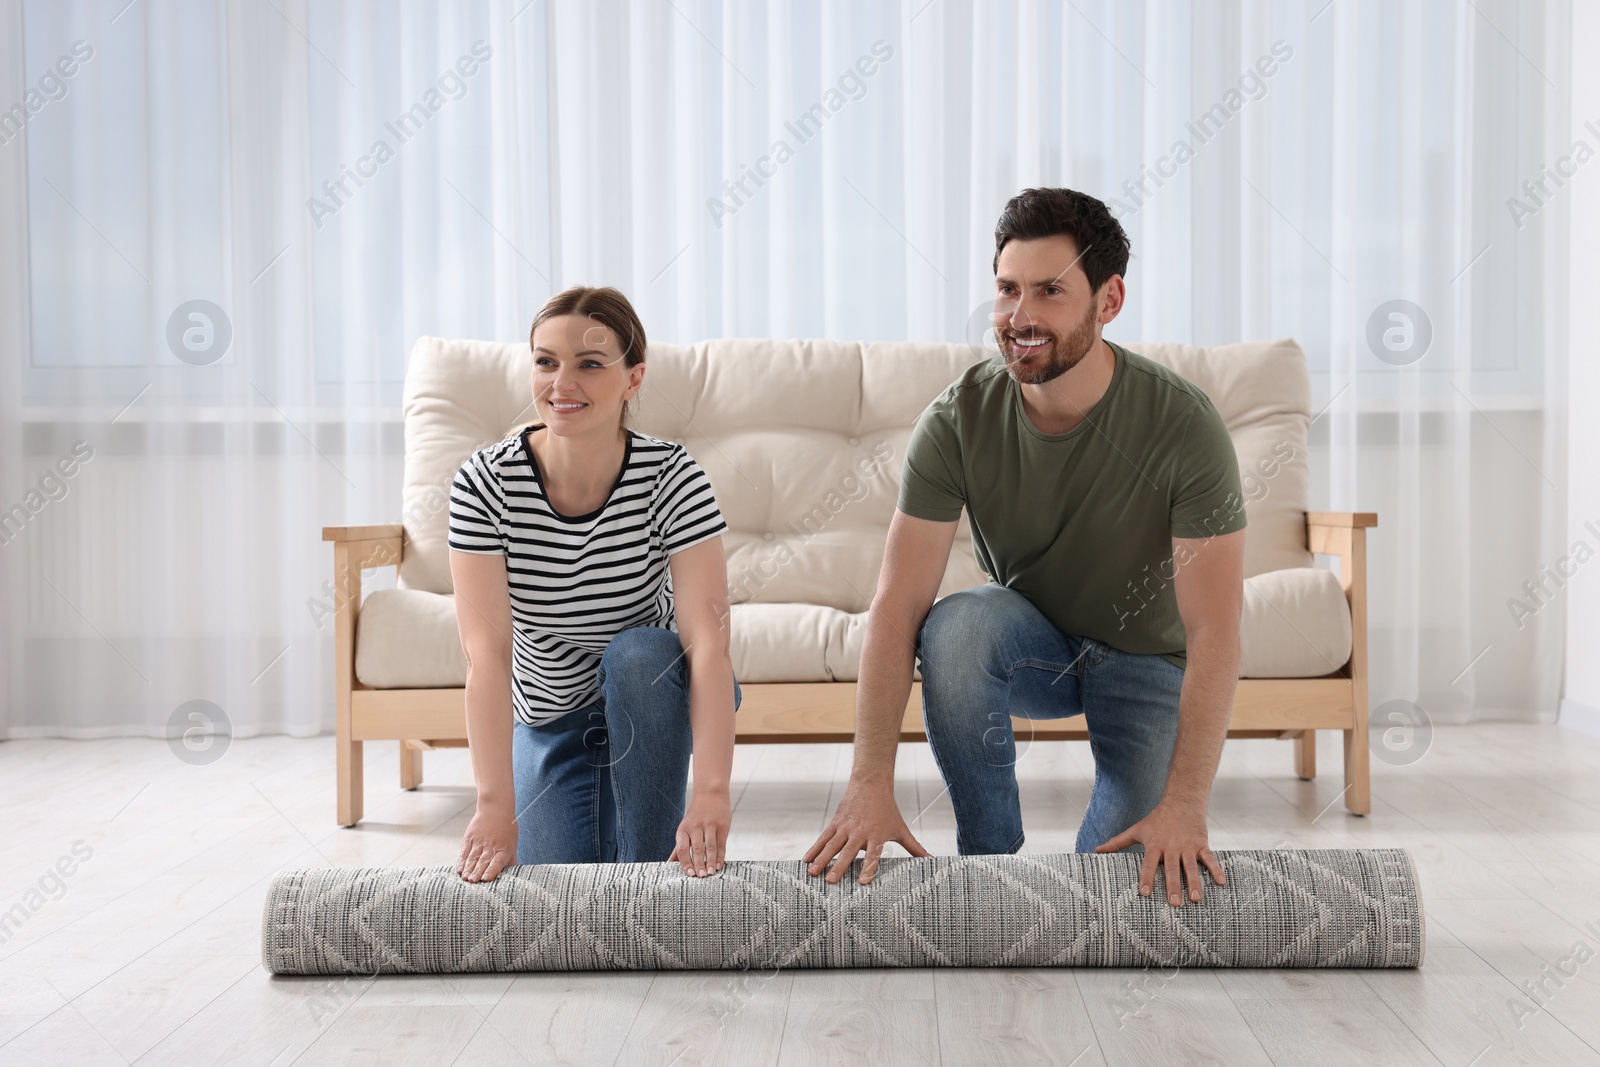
[[803, 441]]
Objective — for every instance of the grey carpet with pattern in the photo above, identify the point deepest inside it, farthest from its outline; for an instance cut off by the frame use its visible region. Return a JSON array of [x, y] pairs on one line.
[[1280, 908]]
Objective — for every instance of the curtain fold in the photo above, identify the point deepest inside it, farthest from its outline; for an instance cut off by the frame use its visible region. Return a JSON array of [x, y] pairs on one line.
[[227, 227]]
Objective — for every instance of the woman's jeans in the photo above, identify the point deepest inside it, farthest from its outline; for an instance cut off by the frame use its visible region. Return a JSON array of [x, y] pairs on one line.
[[987, 654], [607, 782]]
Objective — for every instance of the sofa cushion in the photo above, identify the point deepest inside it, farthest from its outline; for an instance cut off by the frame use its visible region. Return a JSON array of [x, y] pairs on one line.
[[803, 442], [1296, 624], [407, 639]]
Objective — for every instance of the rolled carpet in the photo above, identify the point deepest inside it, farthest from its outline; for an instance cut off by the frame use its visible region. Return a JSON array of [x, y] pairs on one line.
[[1280, 908]]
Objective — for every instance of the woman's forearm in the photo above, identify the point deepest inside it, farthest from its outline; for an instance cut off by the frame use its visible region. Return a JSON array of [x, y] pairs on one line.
[[711, 719], [489, 725]]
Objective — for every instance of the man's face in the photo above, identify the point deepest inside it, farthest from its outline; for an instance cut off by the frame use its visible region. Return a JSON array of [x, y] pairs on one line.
[[1045, 318]]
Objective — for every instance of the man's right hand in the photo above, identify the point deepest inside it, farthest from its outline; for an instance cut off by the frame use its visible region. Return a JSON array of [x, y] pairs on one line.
[[489, 845], [867, 818]]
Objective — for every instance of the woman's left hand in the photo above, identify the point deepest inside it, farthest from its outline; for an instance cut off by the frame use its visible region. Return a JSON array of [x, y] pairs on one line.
[[703, 833]]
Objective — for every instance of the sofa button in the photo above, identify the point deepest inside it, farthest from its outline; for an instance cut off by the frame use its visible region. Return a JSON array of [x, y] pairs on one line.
[[854, 441], [767, 536]]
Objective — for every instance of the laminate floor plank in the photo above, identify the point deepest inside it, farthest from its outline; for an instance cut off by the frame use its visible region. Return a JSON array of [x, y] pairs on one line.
[[1167, 1015], [1014, 1015], [710, 1017], [1331, 1032], [575, 1019], [895, 1033]]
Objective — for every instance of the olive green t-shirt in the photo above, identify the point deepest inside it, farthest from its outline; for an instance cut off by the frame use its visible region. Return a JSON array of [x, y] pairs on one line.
[[1081, 523]]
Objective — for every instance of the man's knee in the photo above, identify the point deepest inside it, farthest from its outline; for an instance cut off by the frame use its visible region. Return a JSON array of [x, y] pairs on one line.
[[968, 625]]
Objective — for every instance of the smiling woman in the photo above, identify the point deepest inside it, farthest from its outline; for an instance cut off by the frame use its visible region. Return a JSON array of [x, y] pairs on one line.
[[591, 591]]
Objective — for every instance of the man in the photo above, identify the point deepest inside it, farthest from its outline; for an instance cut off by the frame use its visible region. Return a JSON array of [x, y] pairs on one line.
[[1104, 498]]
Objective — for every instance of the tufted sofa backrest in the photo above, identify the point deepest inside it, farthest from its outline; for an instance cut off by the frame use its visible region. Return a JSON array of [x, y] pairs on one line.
[[803, 442]]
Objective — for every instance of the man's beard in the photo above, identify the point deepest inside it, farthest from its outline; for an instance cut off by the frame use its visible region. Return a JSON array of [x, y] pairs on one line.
[[1063, 355]]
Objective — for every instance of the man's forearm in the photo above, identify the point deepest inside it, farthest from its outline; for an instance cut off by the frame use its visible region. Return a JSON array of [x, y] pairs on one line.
[[888, 658], [1204, 705]]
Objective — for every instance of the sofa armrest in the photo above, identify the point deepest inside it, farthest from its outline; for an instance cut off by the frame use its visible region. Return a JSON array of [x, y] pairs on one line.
[[362, 533], [1342, 518], [1344, 534], [360, 547], [355, 548]]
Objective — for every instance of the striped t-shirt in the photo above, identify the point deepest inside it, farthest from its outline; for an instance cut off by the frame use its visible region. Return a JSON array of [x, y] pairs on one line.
[[578, 581]]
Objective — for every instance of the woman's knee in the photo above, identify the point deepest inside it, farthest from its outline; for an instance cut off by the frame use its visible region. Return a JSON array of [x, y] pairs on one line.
[[640, 654]]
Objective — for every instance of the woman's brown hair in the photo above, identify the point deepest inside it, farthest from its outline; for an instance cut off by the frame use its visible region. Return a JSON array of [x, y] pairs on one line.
[[609, 308]]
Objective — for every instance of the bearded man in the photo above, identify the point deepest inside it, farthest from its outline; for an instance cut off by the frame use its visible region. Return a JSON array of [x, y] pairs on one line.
[[1104, 498]]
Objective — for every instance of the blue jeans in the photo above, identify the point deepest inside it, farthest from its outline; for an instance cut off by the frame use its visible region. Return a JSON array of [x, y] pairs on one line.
[[987, 654], [607, 782]]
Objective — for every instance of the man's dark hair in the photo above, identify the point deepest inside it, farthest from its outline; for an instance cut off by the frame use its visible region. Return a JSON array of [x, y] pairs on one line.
[[1033, 213]]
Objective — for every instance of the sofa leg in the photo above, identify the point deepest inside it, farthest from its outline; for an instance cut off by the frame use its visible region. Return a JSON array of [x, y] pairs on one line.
[[410, 766], [1357, 773], [349, 784], [1305, 755]]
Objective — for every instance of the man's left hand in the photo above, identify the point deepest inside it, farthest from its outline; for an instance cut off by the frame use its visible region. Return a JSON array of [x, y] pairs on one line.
[[1174, 836]]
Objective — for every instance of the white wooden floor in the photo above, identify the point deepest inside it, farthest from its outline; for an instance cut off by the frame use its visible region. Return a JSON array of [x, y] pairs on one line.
[[149, 951]]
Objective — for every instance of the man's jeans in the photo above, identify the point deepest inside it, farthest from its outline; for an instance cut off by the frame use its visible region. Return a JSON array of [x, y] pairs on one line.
[[607, 782], [986, 654]]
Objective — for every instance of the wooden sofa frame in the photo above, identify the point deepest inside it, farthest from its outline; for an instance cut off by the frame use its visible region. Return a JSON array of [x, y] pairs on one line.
[[808, 712]]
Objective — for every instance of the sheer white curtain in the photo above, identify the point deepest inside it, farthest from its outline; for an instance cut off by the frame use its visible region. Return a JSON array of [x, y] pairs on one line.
[[335, 179]]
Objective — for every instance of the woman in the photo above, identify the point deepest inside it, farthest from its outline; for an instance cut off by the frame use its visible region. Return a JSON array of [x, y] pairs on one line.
[[591, 596]]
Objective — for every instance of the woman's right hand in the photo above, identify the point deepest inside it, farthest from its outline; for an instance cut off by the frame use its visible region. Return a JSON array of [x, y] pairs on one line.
[[489, 845]]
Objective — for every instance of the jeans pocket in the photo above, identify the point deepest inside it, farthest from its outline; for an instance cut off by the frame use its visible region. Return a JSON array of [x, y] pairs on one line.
[[1048, 665]]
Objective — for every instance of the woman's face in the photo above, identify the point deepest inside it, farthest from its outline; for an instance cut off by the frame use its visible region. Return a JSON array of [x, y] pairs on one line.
[[579, 380]]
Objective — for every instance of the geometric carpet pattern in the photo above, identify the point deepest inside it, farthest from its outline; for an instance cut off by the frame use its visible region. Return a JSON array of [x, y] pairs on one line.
[[1280, 908]]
